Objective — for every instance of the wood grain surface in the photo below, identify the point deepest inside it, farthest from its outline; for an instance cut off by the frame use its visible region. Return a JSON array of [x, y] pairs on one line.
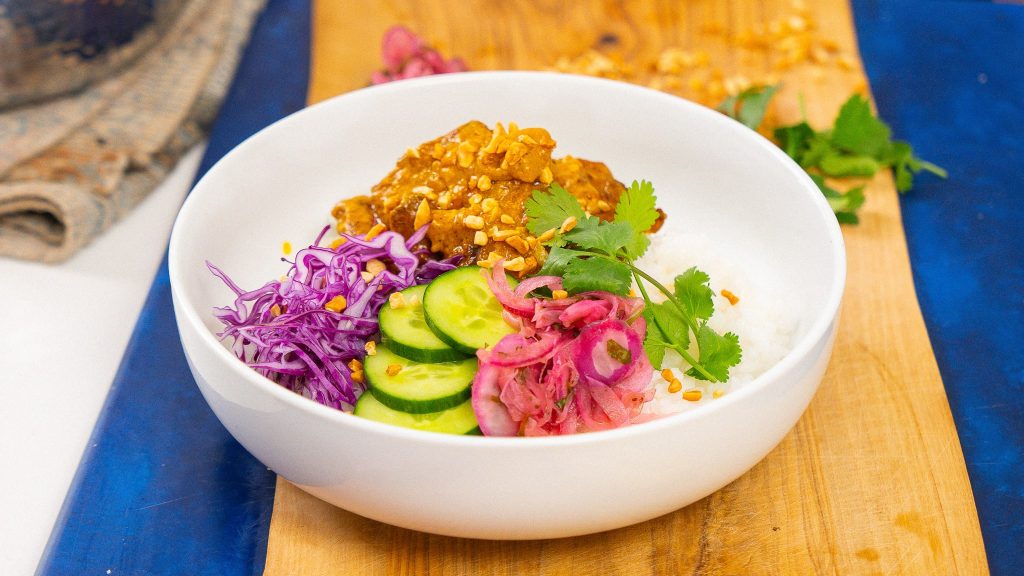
[[870, 481]]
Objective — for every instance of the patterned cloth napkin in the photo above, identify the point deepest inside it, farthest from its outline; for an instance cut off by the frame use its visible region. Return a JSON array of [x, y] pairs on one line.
[[70, 167]]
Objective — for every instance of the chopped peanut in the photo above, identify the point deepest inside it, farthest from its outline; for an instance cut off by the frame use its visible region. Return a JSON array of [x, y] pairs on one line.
[[502, 235], [693, 395], [393, 369], [496, 137], [367, 276], [422, 215], [488, 204], [525, 139], [357, 375], [473, 222], [516, 264], [412, 152], [732, 298], [718, 393], [396, 300], [484, 183], [675, 386], [354, 364], [559, 294], [480, 238], [476, 199], [375, 231], [548, 235], [375, 266], [336, 304], [506, 219], [466, 153], [275, 310], [546, 177], [567, 225], [370, 347], [668, 375], [518, 243]]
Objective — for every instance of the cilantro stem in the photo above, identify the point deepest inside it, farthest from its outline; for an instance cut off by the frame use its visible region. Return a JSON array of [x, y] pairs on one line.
[[668, 294], [661, 288], [638, 274]]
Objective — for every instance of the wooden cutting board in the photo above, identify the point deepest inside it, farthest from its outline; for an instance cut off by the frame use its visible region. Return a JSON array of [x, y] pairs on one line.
[[870, 481]]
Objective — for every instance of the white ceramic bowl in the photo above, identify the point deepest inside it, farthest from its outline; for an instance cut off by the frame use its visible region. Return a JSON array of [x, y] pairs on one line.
[[712, 174]]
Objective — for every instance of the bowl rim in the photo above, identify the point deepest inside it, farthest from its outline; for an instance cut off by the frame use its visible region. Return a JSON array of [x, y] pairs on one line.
[[186, 311]]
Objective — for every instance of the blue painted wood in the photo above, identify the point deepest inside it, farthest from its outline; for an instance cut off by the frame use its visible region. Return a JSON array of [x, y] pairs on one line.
[[949, 77], [162, 487]]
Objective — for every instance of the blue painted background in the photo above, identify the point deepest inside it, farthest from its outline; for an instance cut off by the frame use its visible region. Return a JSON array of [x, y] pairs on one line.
[[164, 489], [949, 77]]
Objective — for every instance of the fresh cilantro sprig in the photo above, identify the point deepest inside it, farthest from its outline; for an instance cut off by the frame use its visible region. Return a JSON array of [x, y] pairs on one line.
[[858, 145], [749, 106], [598, 255]]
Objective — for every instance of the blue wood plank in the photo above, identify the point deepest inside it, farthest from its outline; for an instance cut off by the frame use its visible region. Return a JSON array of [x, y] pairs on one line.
[[949, 77], [162, 487]]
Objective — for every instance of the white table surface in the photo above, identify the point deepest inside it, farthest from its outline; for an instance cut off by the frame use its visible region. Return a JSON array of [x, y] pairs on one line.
[[84, 308]]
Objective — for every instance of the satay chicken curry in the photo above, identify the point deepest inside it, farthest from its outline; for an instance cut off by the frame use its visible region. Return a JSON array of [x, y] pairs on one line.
[[471, 185]]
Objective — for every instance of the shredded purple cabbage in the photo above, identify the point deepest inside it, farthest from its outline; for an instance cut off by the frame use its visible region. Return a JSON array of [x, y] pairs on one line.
[[305, 347]]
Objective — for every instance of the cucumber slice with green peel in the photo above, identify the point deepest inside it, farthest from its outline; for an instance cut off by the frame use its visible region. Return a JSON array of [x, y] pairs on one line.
[[457, 420], [461, 309], [406, 333], [418, 387]]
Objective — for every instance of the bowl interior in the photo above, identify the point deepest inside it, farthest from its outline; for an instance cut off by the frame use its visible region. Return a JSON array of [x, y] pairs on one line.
[[712, 176]]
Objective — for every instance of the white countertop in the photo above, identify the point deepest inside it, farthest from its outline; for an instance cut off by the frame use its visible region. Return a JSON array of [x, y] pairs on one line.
[[63, 330]]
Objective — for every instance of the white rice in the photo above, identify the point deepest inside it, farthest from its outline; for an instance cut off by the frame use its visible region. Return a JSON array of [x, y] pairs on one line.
[[763, 317]]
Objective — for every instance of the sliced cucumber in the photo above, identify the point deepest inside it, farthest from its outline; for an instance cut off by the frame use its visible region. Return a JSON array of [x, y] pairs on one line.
[[461, 309], [406, 332], [457, 420], [418, 387]]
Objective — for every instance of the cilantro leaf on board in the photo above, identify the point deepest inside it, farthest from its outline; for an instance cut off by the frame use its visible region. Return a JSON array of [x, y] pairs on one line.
[[718, 353], [636, 207], [794, 139], [841, 166], [858, 130], [818, 148], [901, 157], [858, 145], [595, 274], [693, 292], [845, 205], [749, 106], [547, 210]]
